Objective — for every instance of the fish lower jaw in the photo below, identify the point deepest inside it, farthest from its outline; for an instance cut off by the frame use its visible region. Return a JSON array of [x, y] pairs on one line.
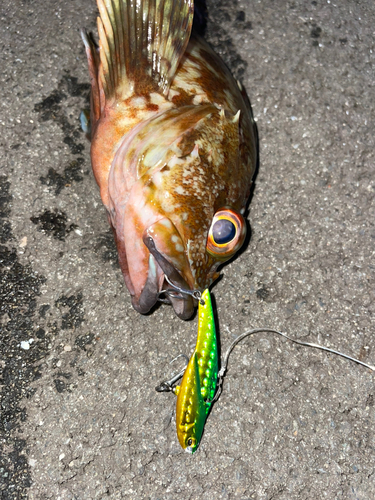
[[158, 289]]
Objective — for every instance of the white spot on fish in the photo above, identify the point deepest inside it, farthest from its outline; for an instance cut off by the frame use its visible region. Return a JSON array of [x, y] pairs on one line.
[[199, 99], [179, 247], [175, 161], [173, 93], [157, 178], [180, 190], [138, 102], [156, 98], [169, 208], [166, 223]]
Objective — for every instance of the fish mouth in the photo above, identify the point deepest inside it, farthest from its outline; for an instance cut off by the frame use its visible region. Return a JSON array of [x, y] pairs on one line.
[[161, 275]]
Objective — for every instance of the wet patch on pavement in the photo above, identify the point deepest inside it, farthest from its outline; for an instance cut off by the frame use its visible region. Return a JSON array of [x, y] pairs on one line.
[[106, 247], [52, 108], [72, 173], [21, 348], [54, 224], [5, 200], [75, 315]]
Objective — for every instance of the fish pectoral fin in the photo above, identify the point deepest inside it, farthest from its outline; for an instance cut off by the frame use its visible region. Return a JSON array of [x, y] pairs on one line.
[[141, 43], [84, 118]]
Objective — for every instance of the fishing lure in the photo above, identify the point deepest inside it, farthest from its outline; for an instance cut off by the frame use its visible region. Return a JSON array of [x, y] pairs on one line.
[[199, 380]]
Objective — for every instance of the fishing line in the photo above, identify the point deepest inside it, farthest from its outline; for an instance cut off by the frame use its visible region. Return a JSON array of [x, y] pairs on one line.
[[224, 366]]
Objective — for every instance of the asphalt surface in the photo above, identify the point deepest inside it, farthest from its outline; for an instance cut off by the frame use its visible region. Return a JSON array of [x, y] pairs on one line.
[[80, 418]]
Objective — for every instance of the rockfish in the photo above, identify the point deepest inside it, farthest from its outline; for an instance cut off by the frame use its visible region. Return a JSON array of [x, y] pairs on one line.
[[173, 148]]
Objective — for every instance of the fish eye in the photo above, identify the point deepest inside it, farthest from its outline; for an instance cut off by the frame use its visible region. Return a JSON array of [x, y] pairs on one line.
[[226, 235], [223, 231]]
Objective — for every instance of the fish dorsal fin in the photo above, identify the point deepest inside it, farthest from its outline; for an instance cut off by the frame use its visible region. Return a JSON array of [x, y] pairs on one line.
[[141, 43]]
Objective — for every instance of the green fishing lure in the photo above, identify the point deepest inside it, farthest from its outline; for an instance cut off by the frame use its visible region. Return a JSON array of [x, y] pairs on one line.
[[198, 385]]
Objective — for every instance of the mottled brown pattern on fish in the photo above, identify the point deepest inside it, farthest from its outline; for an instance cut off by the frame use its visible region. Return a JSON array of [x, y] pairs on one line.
[[201, 187], [153, 108], [217, 85], [182, 98], [211, 79], [212, 82], [168, 148]]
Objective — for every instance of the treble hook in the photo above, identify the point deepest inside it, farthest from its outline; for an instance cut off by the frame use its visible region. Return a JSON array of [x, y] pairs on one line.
[[167, 385]]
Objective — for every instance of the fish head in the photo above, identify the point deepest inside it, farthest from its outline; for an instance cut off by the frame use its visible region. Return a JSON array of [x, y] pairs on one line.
[[182, 216]]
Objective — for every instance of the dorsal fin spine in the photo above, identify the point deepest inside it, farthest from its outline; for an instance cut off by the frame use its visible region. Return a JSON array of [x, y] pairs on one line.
[[93, 62], [105, 55], [107, 38], [118, 21]]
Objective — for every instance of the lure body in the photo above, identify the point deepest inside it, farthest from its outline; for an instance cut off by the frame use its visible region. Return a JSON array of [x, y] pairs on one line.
[[198, 384], [190, 408], [206, 349], [172, 146]]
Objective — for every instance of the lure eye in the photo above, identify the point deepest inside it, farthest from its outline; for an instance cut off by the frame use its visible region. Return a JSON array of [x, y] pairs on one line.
[[226, 235], [190, 442]]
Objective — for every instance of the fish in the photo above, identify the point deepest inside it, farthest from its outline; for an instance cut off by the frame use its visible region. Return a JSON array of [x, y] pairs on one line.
[[198, 384], [173, 149]]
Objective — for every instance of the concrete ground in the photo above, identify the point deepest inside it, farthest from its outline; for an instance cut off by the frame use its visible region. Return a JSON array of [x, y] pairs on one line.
[[80, 418]]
